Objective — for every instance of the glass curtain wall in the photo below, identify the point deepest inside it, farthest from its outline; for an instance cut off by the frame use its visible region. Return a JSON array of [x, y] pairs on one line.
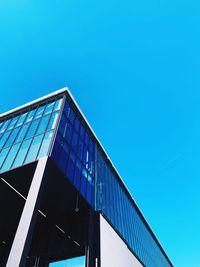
[[73, 152], [114, 203], [26, 137]]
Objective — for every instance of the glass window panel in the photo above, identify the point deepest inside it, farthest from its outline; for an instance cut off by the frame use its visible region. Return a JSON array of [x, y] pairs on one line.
[[77, 175], [8, 162], [21, 119], [1, 124], [3, 139], [12, 123], [39, 112], [82, 132], [5, 125], [22, 133], [70, 167], [80, 149], [49, 108], [32, 128], [33, 150], [45, 144], [75, 141], [69, 133], [58, 104], [43, 124], [64, 157], [12, 137], [53, 121], [83, 181], [89, 193], [91, 145], [77, 124], [22, 153], [3, 155], [66, 109], [86, 139], [30, 116], [71, 116]]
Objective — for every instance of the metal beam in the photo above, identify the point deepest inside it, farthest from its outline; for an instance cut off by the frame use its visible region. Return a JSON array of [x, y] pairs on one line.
[[23, 236]]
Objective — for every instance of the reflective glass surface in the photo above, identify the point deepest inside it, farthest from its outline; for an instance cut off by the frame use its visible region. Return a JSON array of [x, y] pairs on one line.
[[73, 152], [73, 262], [27, 136]]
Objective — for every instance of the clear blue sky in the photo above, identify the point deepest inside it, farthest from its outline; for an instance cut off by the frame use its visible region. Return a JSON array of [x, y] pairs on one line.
[[134, 68]]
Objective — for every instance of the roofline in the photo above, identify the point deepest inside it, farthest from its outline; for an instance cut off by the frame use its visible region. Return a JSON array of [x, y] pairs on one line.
[[58, 92], [64, 91]]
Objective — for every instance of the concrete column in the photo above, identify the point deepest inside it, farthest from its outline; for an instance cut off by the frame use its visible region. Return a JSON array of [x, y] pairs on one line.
[[23, 236]]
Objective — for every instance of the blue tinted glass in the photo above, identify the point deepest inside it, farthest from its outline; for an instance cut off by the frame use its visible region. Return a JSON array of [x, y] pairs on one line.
[[8, 162], [75, 141], [49, 108], [77, 175], [45, 144], [68, 133], [22, 153], [34, 148], [64, 157], [22, 132], [30, 116], [21, 119], [39, 112], [58, 104], [3, 139], [32, 128], [3, 155], [12, 123], [80, 149], [83, 181], [4, 126], [71, 116], [1, 124], [66, 109], [12, 137], [86, 139], [71, 165], [77, 124], [53, 121], [43, 124], [82, 132]]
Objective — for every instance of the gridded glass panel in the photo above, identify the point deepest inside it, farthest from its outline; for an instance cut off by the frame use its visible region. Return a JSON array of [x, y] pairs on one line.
[[26, 137], [117, 207], [72, 153]]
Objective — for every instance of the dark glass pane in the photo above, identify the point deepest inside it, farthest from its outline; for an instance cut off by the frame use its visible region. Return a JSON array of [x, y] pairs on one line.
[[83, 181], [77, 124], [66, 109], [82, 132], [71, 116], [80, 149], [70, 167], [75, 141], [69, 133], [77, 175]]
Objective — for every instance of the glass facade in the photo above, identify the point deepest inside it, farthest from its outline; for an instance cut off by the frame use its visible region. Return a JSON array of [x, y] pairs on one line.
[[73, 152], [27, 136], [79, 157]]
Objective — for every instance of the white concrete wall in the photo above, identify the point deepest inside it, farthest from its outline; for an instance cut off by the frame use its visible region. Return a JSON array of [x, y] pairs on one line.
[[114, 252]]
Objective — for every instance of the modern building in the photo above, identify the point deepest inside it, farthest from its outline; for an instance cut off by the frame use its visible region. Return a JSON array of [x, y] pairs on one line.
[[62, 202]]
